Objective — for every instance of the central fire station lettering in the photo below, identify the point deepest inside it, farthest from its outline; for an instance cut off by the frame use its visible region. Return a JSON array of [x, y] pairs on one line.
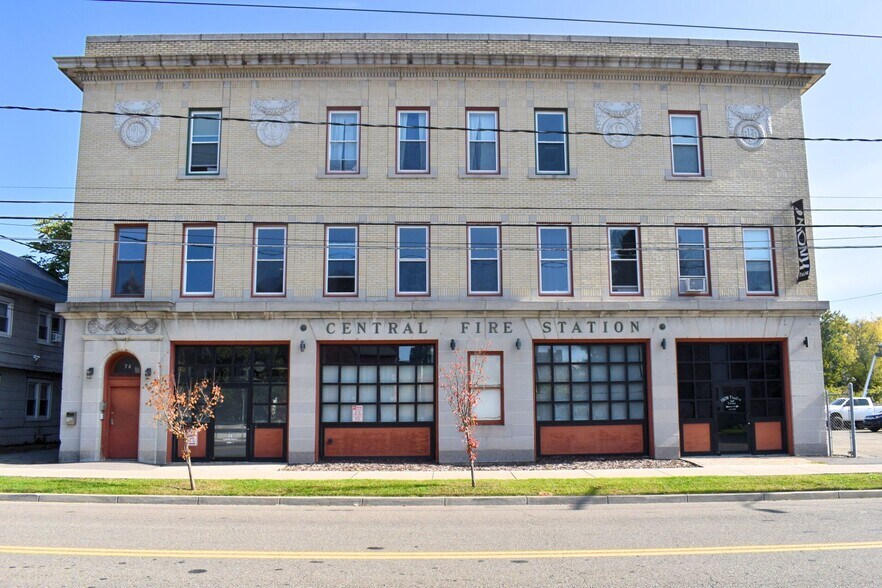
[[589, 327], [376, 328], [485, 328]]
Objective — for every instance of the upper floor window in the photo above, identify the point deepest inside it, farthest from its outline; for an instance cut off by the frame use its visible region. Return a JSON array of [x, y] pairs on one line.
[[39, 402], [554, 260], [686, 148], [50, 328], [343, 137], [489, 410], [551, 142], [341, 261], [483, 141], [269, 261], [758, 260], [413, 141], [484, 266], [6, 308], [198, 275], [624, 260], [205, 133], [413, 260], [130, 261], [692, 260]]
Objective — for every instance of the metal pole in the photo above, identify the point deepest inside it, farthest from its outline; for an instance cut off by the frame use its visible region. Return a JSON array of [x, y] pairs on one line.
[[829, 424], [853, 426], [869, 376]]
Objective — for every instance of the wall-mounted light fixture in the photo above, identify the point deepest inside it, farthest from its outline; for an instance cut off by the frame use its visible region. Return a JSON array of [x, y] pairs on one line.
[[147, 373], [452, 344], [89, 373], [805, 341], [302, 346], [664, 343], [517, 343]]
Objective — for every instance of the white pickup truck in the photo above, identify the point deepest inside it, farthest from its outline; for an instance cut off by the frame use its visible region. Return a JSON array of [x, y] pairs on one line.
[[840, 412]]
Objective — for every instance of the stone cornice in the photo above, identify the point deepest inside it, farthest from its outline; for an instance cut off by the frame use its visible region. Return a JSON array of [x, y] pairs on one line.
[[194, 66], [351, 309]]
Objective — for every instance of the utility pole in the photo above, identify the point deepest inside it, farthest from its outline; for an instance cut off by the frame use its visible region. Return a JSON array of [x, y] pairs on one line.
[[853, 425], [876, 355]]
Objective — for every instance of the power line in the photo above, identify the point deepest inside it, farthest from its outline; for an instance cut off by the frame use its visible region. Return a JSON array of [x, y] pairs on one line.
[[858, 297], [417, 207], [496, 16], [443, 128], [432, 223]]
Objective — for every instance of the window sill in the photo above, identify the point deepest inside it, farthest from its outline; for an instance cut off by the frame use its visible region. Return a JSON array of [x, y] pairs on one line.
[[183, 175], [572, 175], [393, 175], [324, 175], [677, 178], [502, 174]]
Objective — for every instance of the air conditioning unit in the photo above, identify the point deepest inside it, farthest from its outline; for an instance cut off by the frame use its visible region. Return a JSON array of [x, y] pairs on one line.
[[55, 337], [693, 285]]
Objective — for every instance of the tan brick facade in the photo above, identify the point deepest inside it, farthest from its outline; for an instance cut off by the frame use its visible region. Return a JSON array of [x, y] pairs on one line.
[[287, 184]]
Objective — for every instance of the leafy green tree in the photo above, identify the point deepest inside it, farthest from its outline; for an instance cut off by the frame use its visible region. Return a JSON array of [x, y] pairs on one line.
[[838, 349], [866, 334], [52, 245]]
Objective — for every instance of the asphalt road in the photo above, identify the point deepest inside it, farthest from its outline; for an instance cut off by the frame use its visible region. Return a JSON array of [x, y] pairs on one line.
[[792, 543]]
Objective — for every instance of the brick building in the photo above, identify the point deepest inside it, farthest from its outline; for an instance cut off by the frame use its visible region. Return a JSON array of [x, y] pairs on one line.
[[636, 295]]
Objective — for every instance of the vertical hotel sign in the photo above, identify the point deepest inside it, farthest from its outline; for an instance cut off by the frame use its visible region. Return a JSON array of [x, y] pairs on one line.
[[805, 264]]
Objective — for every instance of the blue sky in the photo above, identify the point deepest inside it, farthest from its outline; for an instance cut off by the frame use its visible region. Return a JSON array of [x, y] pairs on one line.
[[39, 150]]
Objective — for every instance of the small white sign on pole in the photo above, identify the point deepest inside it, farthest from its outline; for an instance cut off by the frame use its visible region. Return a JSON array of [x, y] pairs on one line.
[[192, 438], [357, 413]]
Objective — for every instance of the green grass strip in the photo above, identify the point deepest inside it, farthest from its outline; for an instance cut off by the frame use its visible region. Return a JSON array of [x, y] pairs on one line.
[[530, 487]]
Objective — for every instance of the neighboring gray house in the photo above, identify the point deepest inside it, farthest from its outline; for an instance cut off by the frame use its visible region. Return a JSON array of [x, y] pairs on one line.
[[31, 346]]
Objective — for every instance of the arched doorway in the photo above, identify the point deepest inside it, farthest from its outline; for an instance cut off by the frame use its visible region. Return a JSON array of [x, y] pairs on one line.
[[122, 403]]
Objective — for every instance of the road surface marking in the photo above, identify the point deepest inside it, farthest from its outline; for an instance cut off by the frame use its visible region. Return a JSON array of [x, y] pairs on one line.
[[421, 555]]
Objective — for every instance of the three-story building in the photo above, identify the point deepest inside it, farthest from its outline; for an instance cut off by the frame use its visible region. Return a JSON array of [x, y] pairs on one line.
[[322, 222]]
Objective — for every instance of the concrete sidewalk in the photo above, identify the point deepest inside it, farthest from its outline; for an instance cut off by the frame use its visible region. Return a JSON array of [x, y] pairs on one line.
[[708, 466]]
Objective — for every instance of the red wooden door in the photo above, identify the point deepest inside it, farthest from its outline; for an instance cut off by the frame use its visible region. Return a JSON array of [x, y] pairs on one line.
[[121, 418]]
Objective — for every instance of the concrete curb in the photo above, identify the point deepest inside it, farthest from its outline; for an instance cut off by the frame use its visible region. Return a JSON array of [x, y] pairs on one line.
[[347, 501]]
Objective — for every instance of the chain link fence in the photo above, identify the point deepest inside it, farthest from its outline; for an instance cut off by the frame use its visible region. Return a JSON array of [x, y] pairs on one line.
[[840, 425]]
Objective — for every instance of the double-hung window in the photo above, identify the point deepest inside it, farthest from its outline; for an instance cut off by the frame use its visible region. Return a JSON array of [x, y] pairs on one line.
[[49, 328], [554, 260], [205, 133], [343, 137], [484, 270], [6, 308], [39, 401], [413, 142], [483, 141], [131, 261], [198, 275], [692, 260], [341, 261], [486, 370], [413, 260], [551, 142], [758, 260], [269, 260], [624, 260], [686, 144]]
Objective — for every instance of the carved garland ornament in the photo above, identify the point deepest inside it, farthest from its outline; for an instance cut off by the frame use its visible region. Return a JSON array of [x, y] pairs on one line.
[[618, 121], [751, 124], [121, 326], [271, 120], [135, 121]]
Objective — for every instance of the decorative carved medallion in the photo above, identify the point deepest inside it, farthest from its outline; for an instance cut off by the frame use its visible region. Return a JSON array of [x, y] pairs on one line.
[[751, 124], [121, 326], [272, 119], [618, 121], [135, 121]]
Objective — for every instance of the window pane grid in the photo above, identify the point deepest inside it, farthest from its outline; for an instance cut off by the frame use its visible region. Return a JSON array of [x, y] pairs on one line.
[[269, 260], [484, 260], [343, 135], [483, 142], [392, 384], [758, 260], [554, 260], [624, 260], [413, 143], [204, 142], [199, 261], [685, 149], [131, 255], [341, 260], [551, 142], [413, 260], [590, 383]]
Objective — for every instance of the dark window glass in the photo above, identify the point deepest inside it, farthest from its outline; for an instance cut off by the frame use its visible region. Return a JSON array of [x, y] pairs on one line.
[[624, 261], [343, 141], [131, 256], [686, 148], [269, 260], [342, 256], [551, 142], [413, 142], [413, 260], [204, 142], [554, 260], [484, 260], [483, 142]]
